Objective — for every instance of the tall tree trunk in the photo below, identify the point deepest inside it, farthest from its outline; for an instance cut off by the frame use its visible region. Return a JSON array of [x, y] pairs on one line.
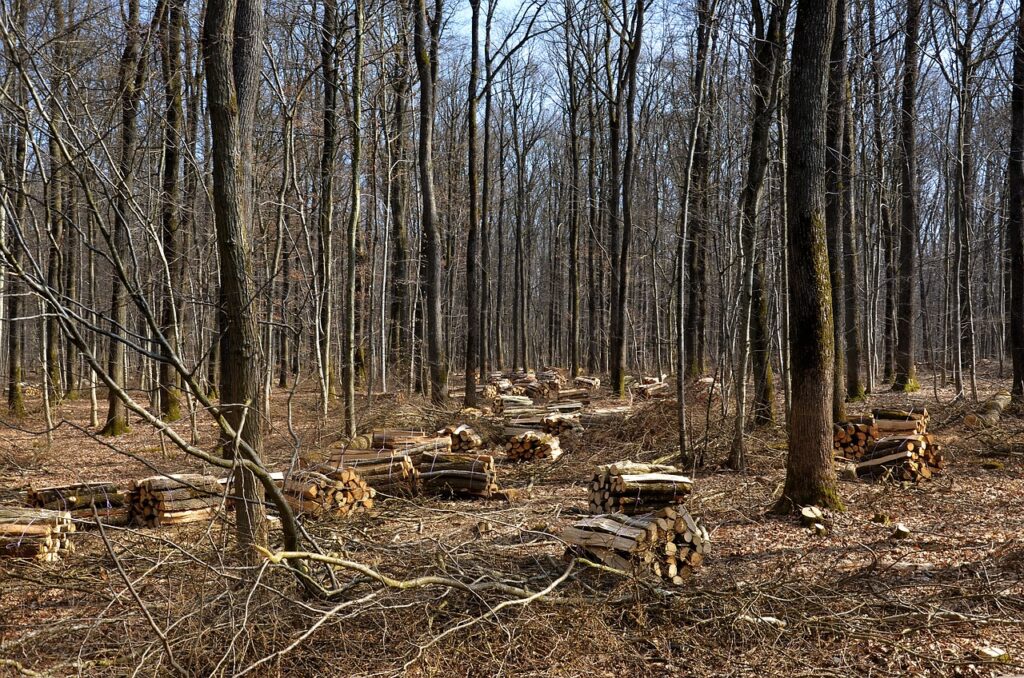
[[131, 79], [329, 36], [427, 31], [834, 209], [15, 172], [173, 133], [398, 195], [810, 477], [232, 45], [906, 314], [1015, 213], [348, 385], [854, 386], [473, 240]]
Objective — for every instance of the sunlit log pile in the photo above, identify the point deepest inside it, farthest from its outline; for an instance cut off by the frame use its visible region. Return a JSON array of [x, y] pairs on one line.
[[634, 488], [666, 544], [174, 500], [459, 473], [85, 502], [39, 534]]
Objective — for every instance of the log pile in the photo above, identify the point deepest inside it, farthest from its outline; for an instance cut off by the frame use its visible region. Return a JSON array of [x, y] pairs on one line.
[[412, 443], [559, 424], [901, 422], [459, 473], [111, 504], [852, 439], [335, 493], [656, 389], [531, 446], [890, 444], [633, 488], [174, 500], [911, 458], [390, 472], [512, 404], [464, 439], [39, 534], [588, 383], [667, 544]]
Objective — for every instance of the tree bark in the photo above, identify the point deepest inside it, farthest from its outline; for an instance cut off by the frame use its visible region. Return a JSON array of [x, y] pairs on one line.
[[810, 478]]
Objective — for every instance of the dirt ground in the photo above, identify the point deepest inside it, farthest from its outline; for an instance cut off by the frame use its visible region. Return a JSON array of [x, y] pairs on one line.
[[155, 602]]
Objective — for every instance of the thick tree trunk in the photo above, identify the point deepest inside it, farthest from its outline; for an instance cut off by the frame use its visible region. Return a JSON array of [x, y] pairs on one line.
[[232, 44], [15, 176], [473, 240], [810, 477]]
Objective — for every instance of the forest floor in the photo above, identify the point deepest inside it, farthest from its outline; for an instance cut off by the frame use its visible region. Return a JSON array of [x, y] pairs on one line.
[[854, 602]]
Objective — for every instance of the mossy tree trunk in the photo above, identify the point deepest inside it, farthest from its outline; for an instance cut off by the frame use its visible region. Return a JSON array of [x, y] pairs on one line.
[[810, 477]]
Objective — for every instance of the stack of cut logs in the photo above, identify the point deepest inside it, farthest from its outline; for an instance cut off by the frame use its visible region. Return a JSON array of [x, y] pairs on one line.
[[464, 439], [588, 383], [668, 543], [335, 493], [559, 424], [177, 499], [390, 472], [109, 501], [40, 534], [459, 473], [633, 488], [652, 387], [531, 446], [890, 444], [512, 404], [854, 437], [412, 443]]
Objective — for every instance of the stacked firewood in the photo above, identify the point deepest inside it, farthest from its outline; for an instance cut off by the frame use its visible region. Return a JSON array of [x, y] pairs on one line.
[[531, 446], [901, 422], [464, 439], [667, 544], [650, 387], [511, 404], [40, 534], [911, 458], [335, 493], [558, 424], [111, 504], [412, 443], [390, 472], [177, 499], [589, 383], [852, 438], [459, 473], [890, 444], [633, 488]]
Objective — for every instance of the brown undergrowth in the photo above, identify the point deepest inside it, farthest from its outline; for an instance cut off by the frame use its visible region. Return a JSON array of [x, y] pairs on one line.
[[771, 599]]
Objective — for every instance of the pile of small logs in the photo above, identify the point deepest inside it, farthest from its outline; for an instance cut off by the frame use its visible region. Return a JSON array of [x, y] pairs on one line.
[[655, 389], [901, 422], [390, 472], [512, 404], [177, 499], [531, 446], [335, 493], [589, 383], [40, 534], [851, 439], [633, 488], [558, 424], [80, 499], [912, 458], [667, 544], [464, 439], [459, 473], [412, 443]]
